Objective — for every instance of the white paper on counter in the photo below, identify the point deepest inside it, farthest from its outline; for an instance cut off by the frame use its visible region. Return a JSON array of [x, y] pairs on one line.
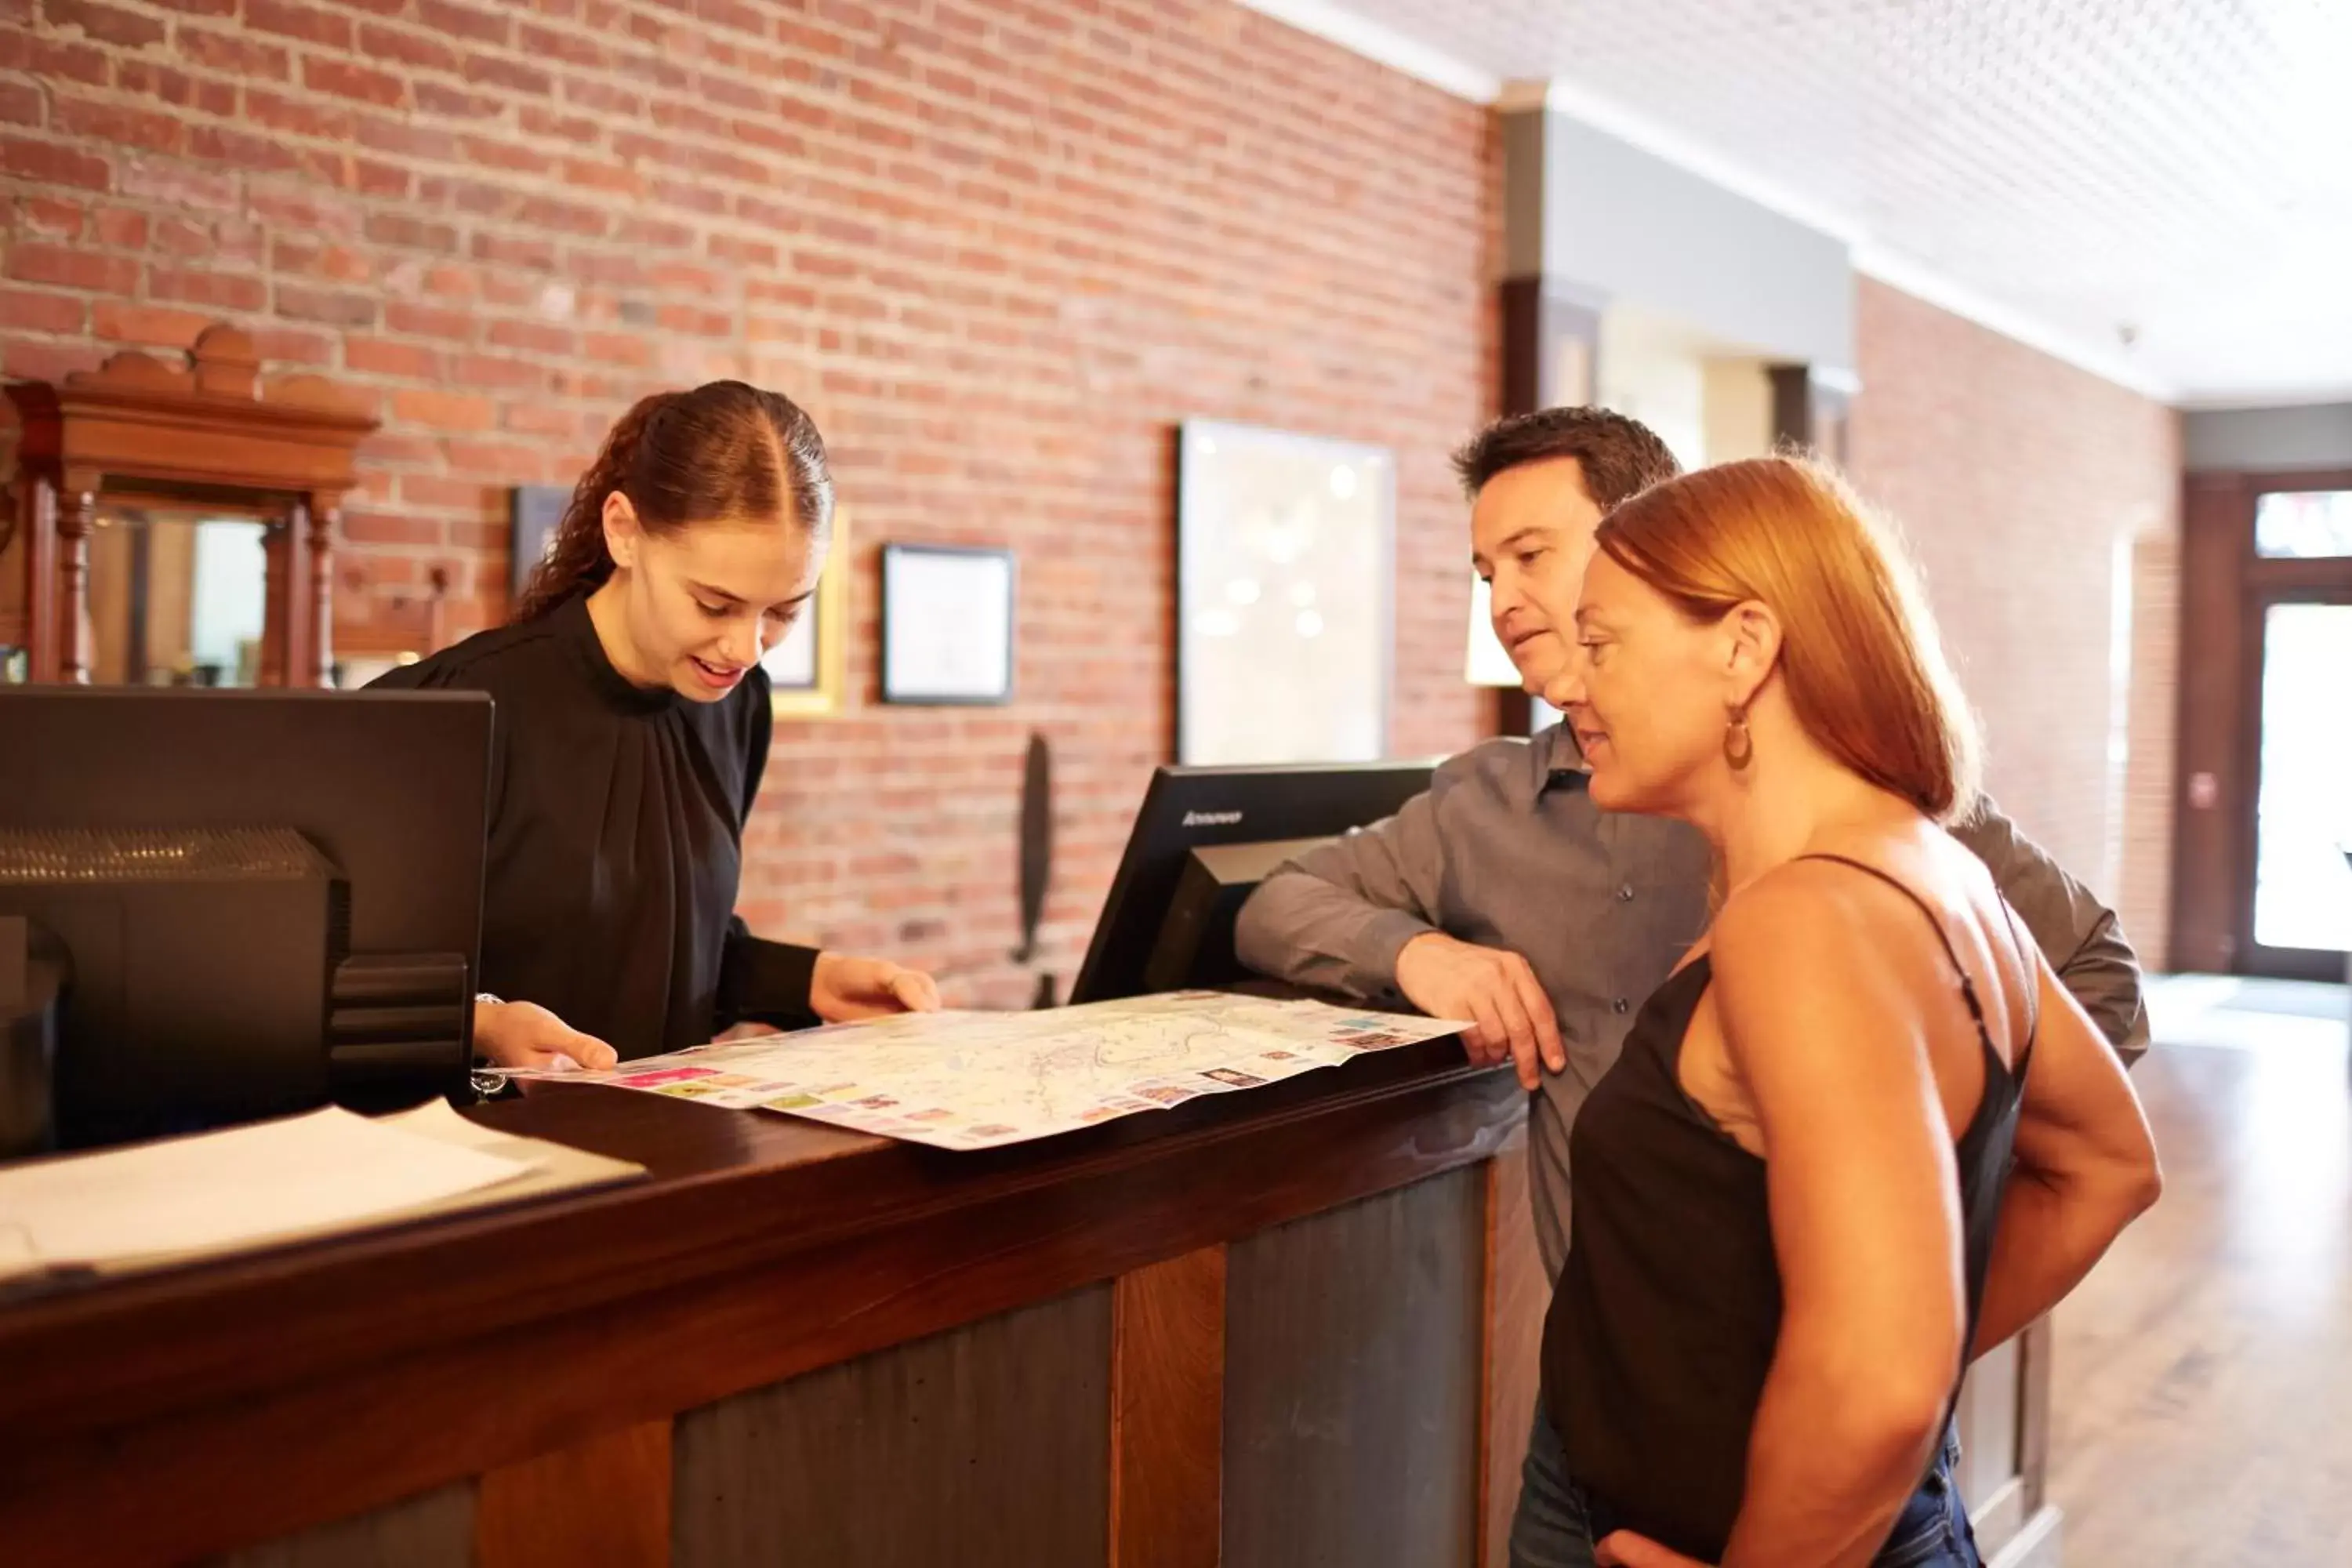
[[313, 1174]]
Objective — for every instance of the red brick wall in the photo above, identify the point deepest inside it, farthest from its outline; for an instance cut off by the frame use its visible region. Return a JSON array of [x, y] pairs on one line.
[[2015, 477], [997, 247]]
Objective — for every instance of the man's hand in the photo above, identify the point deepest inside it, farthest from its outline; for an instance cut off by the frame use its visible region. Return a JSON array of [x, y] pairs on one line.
[[1623, 1548], [526, 1035], [843, 990], [1449, 979]]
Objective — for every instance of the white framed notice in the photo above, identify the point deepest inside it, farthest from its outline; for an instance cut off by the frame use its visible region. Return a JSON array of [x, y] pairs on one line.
[[1285, 579], [807, 668], [792, 663], [947, 625]]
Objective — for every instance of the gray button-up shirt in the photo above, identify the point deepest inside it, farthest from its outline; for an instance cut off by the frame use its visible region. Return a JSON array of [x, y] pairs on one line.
[[1506, 850]]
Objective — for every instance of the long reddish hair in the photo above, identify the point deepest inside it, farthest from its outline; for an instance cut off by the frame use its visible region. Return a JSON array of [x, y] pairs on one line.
[[1866, 670]]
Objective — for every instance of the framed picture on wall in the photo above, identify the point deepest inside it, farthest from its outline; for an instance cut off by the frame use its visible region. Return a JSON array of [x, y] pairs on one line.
[[807, 670], [534, 511], [947, 625], [1285, 578]]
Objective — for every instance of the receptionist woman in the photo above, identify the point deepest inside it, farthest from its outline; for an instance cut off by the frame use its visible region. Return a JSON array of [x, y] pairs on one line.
[[632, 730]]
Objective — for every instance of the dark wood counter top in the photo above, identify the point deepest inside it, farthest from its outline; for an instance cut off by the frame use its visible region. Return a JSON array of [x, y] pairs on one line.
[[199, 1408]]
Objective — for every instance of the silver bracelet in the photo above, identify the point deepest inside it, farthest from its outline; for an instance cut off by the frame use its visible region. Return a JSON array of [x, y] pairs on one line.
[[486, 1081]]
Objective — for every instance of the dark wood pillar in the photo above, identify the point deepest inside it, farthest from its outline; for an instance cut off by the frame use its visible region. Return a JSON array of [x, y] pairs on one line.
[[1168, 1413], [280, 552], [38, 516], [1551, 344], [77, 514], [320, 511], [1519, 1294], [604, 1500], [2209, 857], [1810, 406]]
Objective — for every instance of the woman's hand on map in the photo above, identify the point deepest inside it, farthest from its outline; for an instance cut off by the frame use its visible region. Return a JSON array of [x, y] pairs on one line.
[[843, 990], [526, 1035]]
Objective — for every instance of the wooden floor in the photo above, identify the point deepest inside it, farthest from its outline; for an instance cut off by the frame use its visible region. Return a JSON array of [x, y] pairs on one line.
[[2202, 1391]]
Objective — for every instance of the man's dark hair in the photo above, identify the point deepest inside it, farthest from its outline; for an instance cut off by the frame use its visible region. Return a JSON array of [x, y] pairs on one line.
[[1620, 456]]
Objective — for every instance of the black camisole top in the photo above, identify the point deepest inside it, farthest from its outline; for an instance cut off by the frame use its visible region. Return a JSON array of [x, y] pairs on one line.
[[1667, 1312]]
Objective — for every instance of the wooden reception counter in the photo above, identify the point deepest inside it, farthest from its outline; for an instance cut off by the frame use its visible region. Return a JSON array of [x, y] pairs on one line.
[[1288, 1327]]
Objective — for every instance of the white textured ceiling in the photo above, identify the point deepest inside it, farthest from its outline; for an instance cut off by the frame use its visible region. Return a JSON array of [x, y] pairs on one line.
[[2173, 173]]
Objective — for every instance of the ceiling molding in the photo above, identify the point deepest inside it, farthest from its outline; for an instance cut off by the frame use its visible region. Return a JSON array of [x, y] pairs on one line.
[[1912, 277], [1337, 25], [1661, 141]]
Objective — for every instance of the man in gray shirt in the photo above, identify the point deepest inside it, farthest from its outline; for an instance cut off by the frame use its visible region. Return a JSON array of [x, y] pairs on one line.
[[1503, 895]]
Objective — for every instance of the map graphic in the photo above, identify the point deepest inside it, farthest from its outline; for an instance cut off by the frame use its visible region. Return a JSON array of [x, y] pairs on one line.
[[975, 1080]]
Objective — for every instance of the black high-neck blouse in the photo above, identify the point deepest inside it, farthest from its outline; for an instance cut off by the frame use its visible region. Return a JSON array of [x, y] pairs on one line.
[[615, 841]]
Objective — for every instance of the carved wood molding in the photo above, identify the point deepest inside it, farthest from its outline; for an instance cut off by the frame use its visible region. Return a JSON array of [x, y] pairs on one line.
[[210, 431], [224, 364]]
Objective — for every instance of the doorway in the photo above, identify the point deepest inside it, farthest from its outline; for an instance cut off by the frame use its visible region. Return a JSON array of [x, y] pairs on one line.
[[2303, 793], [2263, 880]]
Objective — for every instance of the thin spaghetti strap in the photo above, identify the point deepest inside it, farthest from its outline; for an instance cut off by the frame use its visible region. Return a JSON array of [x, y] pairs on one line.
[[1936, 922], [2028, 955]]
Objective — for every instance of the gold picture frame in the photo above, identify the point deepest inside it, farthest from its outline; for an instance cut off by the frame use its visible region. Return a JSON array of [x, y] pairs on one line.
[[808, 671]]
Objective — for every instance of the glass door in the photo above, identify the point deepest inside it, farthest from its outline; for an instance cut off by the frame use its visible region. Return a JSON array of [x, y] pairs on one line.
[[2301, 917]]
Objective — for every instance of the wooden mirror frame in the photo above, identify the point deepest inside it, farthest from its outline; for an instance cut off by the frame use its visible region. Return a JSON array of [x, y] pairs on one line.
[[207, 433]]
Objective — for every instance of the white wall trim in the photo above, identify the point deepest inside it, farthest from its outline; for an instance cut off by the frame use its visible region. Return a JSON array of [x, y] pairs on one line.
[[2038, 1545], [1336, 23], [1637, 130], [2323, 395]]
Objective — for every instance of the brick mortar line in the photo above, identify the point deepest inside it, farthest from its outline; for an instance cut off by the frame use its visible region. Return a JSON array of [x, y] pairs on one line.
[[468, 226], [407, 73], [1020, 239], [1213, 115]]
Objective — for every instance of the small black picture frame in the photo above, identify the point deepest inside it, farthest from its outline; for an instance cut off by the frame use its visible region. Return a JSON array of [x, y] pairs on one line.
[[948, 619], [534, 510]]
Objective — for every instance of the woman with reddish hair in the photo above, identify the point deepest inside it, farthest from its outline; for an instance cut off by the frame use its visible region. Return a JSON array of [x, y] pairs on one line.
[[1863, 1134]]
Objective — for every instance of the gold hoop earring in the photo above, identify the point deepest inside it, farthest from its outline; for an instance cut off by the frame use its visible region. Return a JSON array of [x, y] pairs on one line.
[[1738, 746]]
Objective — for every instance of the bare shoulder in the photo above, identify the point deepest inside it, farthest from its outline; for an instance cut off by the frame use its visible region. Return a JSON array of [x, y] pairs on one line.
[[1813, 914], [1829, 959], [1839, 950]]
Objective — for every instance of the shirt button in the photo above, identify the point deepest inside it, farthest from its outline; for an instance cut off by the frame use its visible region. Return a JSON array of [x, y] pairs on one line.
[[1618, 1006], [1625, 894]]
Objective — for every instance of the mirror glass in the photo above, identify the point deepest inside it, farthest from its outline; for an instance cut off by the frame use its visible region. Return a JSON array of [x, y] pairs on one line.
[[177, 598]]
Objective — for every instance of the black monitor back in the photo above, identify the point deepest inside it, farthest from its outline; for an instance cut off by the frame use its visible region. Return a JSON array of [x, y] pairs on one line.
[[1187, 809], [391, 787]]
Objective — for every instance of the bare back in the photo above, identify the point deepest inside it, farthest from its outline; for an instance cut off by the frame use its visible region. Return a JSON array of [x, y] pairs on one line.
[[1903, 966]]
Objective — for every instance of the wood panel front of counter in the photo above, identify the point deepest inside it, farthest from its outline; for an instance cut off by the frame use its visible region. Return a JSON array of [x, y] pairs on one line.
[[547, 1349]]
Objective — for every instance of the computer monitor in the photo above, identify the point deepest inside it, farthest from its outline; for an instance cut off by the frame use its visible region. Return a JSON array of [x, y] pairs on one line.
[[222, 967], [1208, 833]]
